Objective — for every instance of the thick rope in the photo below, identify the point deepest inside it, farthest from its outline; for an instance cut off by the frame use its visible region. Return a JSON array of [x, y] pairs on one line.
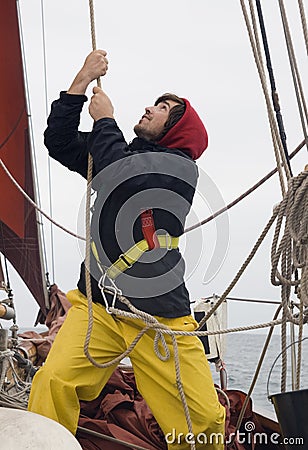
[[270, 71], [304, 22], [291, 254], [277, 142], [295, 236], [181, 389], [302, 107], [88, 217], [277, 145]]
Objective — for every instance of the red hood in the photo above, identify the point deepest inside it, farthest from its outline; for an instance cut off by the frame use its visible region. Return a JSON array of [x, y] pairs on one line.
[[188, 134]]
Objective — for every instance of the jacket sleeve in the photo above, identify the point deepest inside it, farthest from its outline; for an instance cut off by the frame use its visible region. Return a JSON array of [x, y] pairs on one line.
[[106, 143], [63, 140]]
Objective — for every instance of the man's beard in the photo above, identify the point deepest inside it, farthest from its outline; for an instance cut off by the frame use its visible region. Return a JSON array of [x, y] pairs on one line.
[[145, 134]]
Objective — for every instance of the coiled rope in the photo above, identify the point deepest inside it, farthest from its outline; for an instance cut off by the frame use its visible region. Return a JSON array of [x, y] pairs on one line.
[[289, 256]]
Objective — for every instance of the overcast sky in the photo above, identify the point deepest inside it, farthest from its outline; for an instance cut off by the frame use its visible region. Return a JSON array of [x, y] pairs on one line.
[[198, 50]]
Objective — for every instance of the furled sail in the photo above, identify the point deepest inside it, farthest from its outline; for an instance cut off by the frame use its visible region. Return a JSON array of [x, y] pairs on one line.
[[19, 234]]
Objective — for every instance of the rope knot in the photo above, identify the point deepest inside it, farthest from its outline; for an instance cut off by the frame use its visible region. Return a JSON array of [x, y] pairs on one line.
[[160, 338]]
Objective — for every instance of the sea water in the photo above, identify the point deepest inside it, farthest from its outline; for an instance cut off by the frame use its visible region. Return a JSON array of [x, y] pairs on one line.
[[243, 351]]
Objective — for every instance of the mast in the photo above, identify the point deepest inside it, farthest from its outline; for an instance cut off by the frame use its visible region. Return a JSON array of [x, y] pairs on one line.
[[20, 239]]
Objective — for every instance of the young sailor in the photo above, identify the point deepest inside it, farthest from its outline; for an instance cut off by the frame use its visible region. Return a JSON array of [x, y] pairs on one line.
[[144, 192]]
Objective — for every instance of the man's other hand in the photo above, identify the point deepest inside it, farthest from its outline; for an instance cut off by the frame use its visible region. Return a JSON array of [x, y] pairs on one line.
[[100, 106]]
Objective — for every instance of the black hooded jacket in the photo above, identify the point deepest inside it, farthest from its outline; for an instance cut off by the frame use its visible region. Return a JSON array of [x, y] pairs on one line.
[[129, 178]]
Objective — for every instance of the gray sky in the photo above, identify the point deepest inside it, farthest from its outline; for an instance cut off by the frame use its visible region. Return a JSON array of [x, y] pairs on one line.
[[198, 50]]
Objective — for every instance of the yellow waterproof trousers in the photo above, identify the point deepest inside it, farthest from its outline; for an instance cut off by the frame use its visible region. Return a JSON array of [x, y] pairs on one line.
[[68, 375]]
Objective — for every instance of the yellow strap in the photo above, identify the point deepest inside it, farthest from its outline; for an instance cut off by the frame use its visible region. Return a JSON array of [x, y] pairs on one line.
[[127, 259]]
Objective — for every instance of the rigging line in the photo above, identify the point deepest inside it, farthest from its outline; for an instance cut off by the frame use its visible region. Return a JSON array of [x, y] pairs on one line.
[[276, 359], [2, 279], [304, 22], [251, 300], [302, 107], [276, 138], [34, 204], [241, 270], [8, 284], [278, 151], [88, 218], [109, 438], [278, 147], [31, 134], [245, 194], [8, 137], [48, 159], [275, 97], [193, 227]]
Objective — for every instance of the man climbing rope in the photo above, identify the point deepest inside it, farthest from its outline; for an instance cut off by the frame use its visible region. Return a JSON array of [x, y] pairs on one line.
[[144, 192]]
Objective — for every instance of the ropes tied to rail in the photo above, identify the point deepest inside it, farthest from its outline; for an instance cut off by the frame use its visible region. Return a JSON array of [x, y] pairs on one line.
[[16, 395]]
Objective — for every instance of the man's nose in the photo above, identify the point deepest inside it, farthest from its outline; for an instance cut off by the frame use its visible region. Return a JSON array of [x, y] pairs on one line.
[[149, 109]]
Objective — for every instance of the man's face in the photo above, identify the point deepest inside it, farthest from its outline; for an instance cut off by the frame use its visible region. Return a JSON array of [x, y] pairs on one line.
[[152, 123]]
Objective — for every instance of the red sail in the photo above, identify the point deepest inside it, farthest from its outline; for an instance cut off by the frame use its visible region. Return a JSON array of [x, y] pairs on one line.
[[19, 235]]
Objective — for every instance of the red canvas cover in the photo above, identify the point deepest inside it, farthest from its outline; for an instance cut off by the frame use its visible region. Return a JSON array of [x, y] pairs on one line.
[[19, 237]]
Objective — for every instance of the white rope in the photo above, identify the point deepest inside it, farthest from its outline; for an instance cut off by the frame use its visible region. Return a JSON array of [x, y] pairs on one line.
[[277, 144], [300, 96], [304, 22], [289, 256]]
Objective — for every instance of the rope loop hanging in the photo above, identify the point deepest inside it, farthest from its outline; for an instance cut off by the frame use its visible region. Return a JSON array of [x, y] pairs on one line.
[[293, 245]]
